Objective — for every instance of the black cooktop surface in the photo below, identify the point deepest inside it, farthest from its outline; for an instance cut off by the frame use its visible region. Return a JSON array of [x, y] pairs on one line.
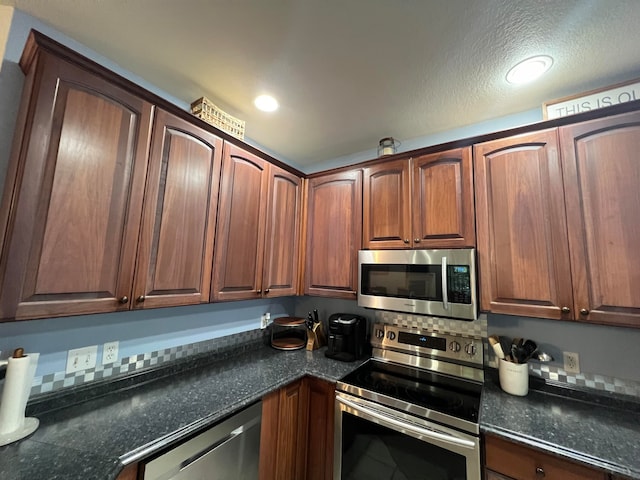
[[434, 391]]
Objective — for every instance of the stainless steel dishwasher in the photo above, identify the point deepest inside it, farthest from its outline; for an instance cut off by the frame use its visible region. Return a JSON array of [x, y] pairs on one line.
[[228, 451]]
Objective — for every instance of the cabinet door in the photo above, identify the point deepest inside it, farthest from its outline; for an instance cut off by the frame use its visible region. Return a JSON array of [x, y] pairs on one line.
[[175, 253], [320, 429], [77, 195], [386, 213], [522, 234], [523, 463], [334, 231], [442, 197], [490, 475], [283, 432], [282, 243], [602, 185], [239, 245]]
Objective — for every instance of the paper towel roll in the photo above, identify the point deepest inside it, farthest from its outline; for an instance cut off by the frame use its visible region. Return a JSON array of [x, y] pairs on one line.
[[17, 386]]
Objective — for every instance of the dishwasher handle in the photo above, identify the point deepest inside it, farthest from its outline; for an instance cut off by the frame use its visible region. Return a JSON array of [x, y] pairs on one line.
[[238, 431]]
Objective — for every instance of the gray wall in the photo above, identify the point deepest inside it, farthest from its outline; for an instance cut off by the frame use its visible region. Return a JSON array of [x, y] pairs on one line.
[[602, 349]]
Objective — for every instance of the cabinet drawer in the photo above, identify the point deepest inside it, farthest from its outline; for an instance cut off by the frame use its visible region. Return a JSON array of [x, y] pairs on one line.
[[523, 463]]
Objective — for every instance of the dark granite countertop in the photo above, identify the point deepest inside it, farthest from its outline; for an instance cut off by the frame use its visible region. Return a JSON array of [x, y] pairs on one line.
[[594, 430], [94, 439]]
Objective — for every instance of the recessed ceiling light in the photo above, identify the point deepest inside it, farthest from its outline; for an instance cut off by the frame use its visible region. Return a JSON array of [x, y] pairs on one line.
[[530, 69], [266, 103]]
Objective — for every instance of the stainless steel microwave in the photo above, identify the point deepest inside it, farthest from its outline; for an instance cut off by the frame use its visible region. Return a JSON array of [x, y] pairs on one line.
[[427, 282]]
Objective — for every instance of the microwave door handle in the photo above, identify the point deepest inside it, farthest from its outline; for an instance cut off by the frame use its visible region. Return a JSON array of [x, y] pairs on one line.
[[445, 295]]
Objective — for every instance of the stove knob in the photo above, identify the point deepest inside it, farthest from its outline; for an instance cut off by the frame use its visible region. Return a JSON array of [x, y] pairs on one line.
[[470, 349], [391, 335], [379, 333], [454, 346]]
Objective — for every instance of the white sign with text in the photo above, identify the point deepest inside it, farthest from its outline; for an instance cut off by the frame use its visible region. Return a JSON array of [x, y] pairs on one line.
[[592, 101]]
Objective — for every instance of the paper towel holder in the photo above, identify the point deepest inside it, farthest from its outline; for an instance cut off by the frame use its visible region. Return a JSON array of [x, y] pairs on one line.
[[13, 414]]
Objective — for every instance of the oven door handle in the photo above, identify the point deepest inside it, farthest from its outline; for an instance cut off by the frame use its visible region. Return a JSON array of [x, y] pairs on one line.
[[413, 428], [445, 288]]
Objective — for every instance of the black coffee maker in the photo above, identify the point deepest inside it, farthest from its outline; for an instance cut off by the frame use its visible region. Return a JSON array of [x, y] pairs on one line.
[[347, 339]]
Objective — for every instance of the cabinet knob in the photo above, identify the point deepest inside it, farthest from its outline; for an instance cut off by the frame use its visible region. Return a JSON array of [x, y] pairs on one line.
[[416, 240], [406, 240], [584, 311], [124, 300], [566, 310], [539, 472], [266, 290], [259, 291], [140, 299]]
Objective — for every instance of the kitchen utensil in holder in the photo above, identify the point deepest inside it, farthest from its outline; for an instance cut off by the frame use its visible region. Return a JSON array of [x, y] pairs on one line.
[[21, 369], [514, 377], [288, 333], [316, 337]]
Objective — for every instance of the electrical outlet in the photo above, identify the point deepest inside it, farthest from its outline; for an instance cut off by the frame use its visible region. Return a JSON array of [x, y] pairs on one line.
[[265, 320], [110, 352], [571, 362], [81, 358]]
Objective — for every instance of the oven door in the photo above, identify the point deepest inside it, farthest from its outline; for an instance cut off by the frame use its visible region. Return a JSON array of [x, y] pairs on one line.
[[375, 442]]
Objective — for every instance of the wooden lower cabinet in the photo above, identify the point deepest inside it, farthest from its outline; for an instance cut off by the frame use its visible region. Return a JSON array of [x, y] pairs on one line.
[[320, 429], [130, 472], [506, 460], [296, 441]]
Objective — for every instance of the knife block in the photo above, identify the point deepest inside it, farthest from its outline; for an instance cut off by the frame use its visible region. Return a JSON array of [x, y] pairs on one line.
[[316, 337]]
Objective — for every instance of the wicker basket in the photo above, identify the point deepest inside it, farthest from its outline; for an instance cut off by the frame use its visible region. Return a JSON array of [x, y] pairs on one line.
[[203, 108]]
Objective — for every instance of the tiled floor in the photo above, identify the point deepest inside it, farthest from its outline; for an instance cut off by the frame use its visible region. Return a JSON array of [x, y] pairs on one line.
[[376, 461]]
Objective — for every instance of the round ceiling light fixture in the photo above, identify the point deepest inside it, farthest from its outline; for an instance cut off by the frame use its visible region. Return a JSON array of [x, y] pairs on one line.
[[530, 69], [266, 103]]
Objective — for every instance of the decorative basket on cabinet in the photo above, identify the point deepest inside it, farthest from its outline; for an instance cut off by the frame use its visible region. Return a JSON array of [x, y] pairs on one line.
[[206, 110]]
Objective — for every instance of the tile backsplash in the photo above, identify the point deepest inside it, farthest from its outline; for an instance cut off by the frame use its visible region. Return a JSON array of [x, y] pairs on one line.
[[478, 328], [127, 365]]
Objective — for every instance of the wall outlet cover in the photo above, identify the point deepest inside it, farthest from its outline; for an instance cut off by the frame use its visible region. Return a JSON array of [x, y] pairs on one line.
[[110, 352], [571, 362]]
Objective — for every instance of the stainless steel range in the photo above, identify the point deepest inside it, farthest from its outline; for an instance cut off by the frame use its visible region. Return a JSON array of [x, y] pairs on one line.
[[411, 411]]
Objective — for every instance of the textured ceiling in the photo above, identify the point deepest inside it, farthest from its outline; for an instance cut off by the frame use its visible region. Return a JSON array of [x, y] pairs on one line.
[[349, 72]]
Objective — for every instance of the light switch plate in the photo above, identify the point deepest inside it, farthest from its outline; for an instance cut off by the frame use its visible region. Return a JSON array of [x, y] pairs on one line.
[[81, 359]]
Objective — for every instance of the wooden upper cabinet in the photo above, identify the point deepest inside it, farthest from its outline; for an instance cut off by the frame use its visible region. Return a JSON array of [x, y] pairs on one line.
[[334, 234], [423, 202], [522, 234], [602, 185], [280, 272], [73, 193], [443, 213], [239, 245], [386, 212], [176, 242]]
